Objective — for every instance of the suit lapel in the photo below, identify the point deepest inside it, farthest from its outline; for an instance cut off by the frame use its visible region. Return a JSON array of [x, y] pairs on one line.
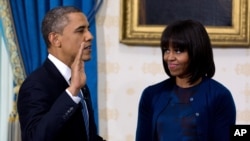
[[54, 73]]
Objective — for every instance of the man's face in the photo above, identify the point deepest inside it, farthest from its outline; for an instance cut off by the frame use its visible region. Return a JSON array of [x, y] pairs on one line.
[[74, 33]]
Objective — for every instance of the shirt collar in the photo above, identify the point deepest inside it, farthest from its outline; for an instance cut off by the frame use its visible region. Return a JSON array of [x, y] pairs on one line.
[[63, 68]]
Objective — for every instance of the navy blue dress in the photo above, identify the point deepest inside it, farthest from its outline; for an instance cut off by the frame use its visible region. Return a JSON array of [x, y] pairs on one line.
[[177, 121]]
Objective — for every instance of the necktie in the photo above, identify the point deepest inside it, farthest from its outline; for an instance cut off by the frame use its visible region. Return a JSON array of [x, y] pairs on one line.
[[85, 113]]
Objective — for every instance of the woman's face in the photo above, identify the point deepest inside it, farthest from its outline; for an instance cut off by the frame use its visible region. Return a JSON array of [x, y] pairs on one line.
[[177, 61]]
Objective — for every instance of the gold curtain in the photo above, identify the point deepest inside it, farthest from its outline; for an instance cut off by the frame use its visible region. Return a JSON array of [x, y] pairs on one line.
[[10, 38]]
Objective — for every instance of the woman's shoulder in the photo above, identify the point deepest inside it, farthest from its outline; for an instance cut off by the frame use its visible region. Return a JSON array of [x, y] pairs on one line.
[[156, 89], [215, 82], [155, 92], [215, 85], [162, 85]]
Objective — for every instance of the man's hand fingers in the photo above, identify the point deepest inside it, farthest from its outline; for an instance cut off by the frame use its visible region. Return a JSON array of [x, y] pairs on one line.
[[79, 54]]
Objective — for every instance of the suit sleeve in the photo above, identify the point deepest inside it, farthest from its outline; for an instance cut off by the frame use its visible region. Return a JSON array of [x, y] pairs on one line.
[[41, 116]]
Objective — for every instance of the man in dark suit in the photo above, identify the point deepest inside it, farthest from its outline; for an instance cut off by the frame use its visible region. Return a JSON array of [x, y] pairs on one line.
[[52, 98]]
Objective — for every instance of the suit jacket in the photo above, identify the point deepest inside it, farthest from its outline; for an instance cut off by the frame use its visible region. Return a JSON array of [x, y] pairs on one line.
[[46, 111], [213, 104]]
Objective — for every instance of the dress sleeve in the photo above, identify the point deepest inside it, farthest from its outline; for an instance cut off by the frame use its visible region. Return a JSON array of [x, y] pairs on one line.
[[224, 115], [144, 122]]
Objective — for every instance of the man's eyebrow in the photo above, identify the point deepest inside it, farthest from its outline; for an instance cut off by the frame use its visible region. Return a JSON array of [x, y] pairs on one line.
[[81, 27]]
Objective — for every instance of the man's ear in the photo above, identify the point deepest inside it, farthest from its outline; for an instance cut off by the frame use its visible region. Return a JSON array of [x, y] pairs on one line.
[[54, 39]]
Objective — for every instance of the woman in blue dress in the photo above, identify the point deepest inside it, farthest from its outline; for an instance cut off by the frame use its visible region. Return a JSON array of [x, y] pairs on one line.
[[189, 105]]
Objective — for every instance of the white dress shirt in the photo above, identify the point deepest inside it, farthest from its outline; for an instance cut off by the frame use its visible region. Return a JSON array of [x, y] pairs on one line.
[[66, 73]]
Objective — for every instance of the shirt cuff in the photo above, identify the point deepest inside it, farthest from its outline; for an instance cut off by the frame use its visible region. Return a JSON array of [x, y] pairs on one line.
[[76, 99]]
